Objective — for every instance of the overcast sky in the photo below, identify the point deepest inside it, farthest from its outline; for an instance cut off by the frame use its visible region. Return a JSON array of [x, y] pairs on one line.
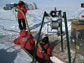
[[66, 3]]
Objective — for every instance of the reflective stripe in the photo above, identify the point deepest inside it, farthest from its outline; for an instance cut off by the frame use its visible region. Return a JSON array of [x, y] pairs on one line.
[[24, 39], [26, 42]]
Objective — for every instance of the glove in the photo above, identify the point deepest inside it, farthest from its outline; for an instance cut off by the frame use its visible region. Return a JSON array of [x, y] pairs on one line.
[[16, 9]]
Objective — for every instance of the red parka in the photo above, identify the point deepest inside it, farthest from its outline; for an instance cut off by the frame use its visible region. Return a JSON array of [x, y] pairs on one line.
[[46, 55], [25, 41], [23, 8]]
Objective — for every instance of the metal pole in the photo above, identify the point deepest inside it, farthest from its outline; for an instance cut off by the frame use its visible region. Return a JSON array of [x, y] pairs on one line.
[[61, 36], [35, 52], [67, 37], [61, 31]]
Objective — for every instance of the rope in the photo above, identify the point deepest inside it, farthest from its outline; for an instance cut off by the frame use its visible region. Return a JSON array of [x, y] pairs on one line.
[[15, 14], [38, 44], [25, 20]]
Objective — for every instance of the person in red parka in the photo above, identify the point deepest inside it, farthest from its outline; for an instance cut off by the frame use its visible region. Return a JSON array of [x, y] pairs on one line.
[[26, 41], [44, 55], [20, 17]]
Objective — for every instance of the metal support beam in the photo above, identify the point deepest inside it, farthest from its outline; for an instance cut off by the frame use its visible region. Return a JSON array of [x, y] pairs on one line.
[[35, 52], [61, 32], [67, 37]]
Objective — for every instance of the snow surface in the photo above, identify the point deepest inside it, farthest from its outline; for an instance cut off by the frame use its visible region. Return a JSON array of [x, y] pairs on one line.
[[8, 21], [9, 28], [56, 60]]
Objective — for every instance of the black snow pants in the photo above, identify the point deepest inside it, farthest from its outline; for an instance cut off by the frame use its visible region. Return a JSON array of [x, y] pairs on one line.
[[22, 24]]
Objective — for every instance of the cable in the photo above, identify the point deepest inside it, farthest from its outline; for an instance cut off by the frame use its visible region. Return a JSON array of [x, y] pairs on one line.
[[80, 13], [15, 14]]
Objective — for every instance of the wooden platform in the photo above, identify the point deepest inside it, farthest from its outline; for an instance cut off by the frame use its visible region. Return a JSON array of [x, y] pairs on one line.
[[76, 24]]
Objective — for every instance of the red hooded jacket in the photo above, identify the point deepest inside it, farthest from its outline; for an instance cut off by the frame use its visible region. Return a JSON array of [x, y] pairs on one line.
[[23, 8], [25, 41], [46, 54]]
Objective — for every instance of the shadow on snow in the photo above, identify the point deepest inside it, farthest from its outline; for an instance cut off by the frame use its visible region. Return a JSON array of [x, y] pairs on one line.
[[7, 57]]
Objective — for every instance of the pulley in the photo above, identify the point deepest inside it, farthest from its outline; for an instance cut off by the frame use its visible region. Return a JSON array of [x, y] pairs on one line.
[[53, 13], [55, 24]]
